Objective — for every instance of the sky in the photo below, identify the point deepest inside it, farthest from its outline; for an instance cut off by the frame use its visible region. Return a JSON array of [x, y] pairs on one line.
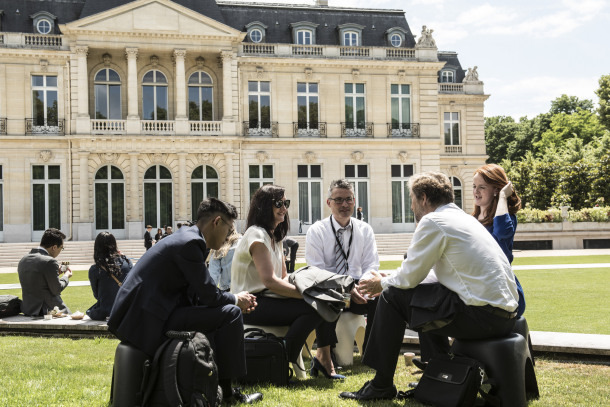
[[527, 52]]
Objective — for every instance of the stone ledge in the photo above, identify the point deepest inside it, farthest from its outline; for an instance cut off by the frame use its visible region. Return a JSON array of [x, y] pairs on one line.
[[24, 325]]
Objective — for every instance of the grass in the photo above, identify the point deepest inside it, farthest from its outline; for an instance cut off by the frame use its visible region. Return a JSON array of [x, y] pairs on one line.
[[529, 261], [67, 372]]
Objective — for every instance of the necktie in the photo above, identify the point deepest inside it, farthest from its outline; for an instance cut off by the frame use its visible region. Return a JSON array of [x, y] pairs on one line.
[[340, 262]]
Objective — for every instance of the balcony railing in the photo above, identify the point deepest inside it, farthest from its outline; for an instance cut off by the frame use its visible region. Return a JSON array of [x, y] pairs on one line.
[[403, 129], [253, 129], [43, 40], [400, 53], [46, 127], [3, 126], [264, 49], [354, 52], [100, 126], [205, 128], [308, 50], [303, 129], [158, 126], [453, 149], [359, 129], [328, 51], [451, 88]]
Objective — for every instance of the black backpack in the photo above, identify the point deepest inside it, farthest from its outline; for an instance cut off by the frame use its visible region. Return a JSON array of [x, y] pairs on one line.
[[9, 305], [183, 373]]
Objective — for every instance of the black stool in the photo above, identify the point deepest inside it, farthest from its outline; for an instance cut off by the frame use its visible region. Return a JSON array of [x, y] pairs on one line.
[[508, 363], [522, 329], [130, 365]]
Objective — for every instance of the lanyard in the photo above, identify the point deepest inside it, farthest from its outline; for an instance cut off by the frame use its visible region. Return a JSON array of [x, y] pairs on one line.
[[349, 246]]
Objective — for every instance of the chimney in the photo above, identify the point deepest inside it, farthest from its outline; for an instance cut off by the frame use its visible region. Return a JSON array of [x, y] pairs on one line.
[[322, 3]]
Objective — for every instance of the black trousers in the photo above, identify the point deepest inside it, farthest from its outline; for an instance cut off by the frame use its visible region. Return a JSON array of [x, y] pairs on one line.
[[296, 313], [293, 257], [395, 310], [224, 328], [326, 332]]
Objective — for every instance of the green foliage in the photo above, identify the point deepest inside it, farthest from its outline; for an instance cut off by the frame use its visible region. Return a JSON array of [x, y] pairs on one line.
[[597, 214], [500, 133], [603, 93], [581, 124], [530, 215], [570, 104]]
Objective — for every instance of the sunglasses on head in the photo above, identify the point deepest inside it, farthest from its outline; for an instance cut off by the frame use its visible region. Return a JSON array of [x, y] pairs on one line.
[[285, 202]]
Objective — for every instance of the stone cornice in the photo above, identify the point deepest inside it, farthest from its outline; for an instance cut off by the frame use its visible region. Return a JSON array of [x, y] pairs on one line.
[[98, 35], [340, 62], [445, 98], [35, 53]]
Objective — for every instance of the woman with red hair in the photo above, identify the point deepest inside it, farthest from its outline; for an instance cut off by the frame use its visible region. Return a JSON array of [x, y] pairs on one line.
[[495, 205]]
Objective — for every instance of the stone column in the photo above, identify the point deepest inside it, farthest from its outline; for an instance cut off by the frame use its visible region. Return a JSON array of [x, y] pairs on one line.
[[227, 85], [83, 83], [179, 55], [134, 198], [229, 193], [182, 195], [84, 186], [132, 83]]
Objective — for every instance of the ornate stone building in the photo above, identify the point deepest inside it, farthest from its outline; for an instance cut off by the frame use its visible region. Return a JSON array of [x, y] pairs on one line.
[[115, 114]]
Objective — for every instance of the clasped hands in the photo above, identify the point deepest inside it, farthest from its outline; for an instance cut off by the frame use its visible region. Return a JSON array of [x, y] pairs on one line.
[[371, 286], [246, 302]]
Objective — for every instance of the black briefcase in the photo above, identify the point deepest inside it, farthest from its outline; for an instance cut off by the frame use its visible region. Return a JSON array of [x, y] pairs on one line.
[[266, 359]]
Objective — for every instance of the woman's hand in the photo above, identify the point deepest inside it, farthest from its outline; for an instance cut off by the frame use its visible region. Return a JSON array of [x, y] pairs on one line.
[[507, 190]]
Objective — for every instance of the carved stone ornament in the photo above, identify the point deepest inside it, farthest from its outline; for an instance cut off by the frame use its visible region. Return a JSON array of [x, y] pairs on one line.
[[426, 40], [472, 76], [310, 157], [131, 53], [199, 61], [206, 157], [259, 72], [308, 73], [355, 73], [82, 50], [262, 156], [157, 157], [402, 156], [357, 156], [109, 157], [154, 60], [402, 74], [107, 58], [45, 155], [44, 65]]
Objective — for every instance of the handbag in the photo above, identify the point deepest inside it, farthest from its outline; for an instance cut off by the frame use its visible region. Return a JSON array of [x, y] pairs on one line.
[[266, 359], [451, 381]]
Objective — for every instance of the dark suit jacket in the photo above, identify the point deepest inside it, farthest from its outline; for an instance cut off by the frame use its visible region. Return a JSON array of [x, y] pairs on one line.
[[105, 288], [40, 283], [147, 240], [159, 283]]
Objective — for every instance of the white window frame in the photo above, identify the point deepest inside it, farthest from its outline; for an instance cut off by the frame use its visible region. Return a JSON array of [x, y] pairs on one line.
[[354, 95], [458, 186], [253, 32], [394, 37], [450, 120], [107, 83], [109, 181], [258, 93], [402, 99], [155, 84], [204, 181], [304, 37], [357, 180], [40, 29], [158, 181], [405, 208], [351, 38], [308, 95], [201, 85], [260, 180], [447, 76], [309, 181], [37, 234], [45, 89]]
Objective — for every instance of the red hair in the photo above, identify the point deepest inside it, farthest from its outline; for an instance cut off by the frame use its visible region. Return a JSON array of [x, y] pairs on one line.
[[495, 176]]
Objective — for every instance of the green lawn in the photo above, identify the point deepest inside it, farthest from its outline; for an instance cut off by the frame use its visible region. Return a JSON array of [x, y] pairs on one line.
[[67, 372]]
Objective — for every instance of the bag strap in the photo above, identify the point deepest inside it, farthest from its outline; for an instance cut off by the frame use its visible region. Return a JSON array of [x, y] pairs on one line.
[[116, 279], [170, 379], [154, 372]]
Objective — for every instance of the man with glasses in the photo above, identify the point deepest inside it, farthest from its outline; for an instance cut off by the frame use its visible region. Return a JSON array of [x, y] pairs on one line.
[[344, 245], [170, 288], [39, 275]]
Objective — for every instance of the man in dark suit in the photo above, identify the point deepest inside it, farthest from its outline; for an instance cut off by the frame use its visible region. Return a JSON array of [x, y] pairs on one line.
[[148, 241], [39, 273], [170, 288]]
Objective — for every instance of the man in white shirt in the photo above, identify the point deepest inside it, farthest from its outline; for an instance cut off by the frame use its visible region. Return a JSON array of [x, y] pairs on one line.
[[475, 296], [343, 245]]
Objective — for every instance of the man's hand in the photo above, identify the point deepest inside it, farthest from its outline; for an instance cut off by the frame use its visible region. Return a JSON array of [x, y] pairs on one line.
[[371, 286], [68, 273], [357, 298], [246, 302]]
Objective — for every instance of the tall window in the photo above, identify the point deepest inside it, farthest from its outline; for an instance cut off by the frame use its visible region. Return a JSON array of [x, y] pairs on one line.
[[358, 176], [158, 197], [259, 101], [108, 95], [401, 106], [1, 201], [44, 100], [204, 184], [154, 96], [304, 37], [259, 175], [307, 102], [46, 197], [201, 97], [401, 199], [457, 191], [447, 77], [350, 38], [109, 198], [310, 192], [452, 128], [354, 106]]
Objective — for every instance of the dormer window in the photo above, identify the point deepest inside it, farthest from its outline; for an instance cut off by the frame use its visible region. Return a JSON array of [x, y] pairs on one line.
[[350, 39], [303, 33], [395, 36], [350, 35], [447, 76], [44, 22], [304, 37], [256, 32], [395, 40]]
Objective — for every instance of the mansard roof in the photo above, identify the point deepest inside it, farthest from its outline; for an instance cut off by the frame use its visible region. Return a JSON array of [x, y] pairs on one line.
[[64, 10], [208, 8], [452, 62]]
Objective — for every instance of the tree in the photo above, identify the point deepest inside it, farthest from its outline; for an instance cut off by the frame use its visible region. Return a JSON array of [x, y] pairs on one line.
[[582, 124], [500, 132], [603, 93], [570, 104]]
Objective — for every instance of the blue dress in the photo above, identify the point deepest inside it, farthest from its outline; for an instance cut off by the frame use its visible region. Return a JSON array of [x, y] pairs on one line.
[[503, 230], [105, 288]]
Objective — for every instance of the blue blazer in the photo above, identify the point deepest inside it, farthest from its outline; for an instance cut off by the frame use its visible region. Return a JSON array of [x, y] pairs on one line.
[[105, 288], [161, 281]]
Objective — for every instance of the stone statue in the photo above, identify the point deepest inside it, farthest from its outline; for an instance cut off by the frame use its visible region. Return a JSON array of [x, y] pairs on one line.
[[426, 40], [472, 75]]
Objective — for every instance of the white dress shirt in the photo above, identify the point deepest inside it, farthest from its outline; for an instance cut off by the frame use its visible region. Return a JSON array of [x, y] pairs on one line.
[[465, 257], [321, 243]]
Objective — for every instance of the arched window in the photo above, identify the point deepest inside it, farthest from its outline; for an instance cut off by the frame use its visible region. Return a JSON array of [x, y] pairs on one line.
[[457, 191], [350, 39], [201, 97], [109, 192], [158, 197], [107, 95], [204, 184], [154, 96], [447, 77], [304, 37]]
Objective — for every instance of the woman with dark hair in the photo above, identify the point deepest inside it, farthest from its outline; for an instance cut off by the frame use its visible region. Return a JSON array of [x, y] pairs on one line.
[[159, 235], [259, 267], [495, 205], [106, 275]]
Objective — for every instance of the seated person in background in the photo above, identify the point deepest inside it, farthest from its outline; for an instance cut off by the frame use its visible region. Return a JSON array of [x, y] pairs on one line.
[[106, 275], [475, 297], [495, 206], [343, 245], [220, 262], [168, 232], [291, 247], [258, 267], [39, 273], [159, 235], [154, 298]]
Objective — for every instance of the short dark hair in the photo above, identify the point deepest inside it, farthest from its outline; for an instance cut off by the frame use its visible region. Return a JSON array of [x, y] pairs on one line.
[[435, 185], [212, 207], [261, 211], [52, 237]]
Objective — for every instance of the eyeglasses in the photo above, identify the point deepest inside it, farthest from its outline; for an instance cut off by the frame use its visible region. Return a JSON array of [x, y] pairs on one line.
[[278, 204], [339, 201], [61, 248], [230, 225]]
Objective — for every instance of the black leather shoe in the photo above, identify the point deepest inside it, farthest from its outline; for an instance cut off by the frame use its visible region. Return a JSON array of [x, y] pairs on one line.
[[370, 392], [238, 397], [419, 364]]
